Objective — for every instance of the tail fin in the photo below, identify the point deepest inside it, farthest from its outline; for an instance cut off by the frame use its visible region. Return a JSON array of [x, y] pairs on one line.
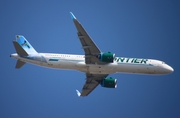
[[23, 47]]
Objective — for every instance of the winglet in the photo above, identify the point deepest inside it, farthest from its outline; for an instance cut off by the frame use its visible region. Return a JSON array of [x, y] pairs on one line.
[[78, 93], [72, 16]]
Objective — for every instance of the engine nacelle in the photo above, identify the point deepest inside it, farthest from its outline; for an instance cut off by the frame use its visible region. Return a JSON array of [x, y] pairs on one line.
[[107, 57], [109, 82]]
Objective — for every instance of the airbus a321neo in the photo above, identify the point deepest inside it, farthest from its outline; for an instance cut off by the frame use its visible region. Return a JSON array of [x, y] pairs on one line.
[[97, 65]]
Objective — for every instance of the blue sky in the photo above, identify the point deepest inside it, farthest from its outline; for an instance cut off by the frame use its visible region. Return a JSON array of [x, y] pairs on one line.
[[129, 28]]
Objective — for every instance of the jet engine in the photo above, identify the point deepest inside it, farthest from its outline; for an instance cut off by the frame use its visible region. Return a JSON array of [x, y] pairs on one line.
[[106, 57], [109, 82]]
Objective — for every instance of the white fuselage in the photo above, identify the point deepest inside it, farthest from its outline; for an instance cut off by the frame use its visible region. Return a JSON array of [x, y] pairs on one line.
[[77, 62]]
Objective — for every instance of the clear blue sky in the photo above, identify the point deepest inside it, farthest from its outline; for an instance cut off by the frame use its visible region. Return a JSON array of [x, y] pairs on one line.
[[130, 28]]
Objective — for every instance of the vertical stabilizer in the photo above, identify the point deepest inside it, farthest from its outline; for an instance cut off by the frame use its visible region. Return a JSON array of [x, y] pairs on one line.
[[23, 45]]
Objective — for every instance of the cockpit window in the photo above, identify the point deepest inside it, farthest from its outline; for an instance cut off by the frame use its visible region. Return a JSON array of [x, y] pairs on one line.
[[163, 62]]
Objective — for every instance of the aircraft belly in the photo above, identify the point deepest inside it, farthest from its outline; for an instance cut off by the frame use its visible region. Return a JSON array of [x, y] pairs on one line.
[[32, 61], [96, 69], [63, 65], [132, 68]]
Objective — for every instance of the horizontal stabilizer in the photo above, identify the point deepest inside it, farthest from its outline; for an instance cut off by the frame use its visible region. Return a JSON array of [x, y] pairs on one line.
[[19, 49], [19, 64]]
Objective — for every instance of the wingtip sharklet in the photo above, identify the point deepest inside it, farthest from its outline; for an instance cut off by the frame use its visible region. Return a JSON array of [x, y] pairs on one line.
[[72, 16], [78, 93]]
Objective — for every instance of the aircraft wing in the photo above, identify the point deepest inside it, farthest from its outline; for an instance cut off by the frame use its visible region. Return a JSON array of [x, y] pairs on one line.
[[92, 81], [90, 48]]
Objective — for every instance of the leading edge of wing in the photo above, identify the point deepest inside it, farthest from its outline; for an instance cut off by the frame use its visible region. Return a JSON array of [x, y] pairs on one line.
[[90, 48]]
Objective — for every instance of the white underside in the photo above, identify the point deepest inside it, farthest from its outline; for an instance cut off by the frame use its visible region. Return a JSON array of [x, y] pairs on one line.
[[100, 69]]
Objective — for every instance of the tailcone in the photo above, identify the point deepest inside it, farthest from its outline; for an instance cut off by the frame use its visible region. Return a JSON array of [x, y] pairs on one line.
[[15, 55]]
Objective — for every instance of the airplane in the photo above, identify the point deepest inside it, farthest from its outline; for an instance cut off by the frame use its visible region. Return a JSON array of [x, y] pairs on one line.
[[97, 65]]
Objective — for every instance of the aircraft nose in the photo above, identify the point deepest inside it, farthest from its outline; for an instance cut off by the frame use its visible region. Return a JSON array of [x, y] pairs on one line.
[[169, 69]]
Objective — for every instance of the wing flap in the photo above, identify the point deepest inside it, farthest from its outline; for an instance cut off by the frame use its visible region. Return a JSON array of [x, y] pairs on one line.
[[89, 86], [86, 40], [92, 81]]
